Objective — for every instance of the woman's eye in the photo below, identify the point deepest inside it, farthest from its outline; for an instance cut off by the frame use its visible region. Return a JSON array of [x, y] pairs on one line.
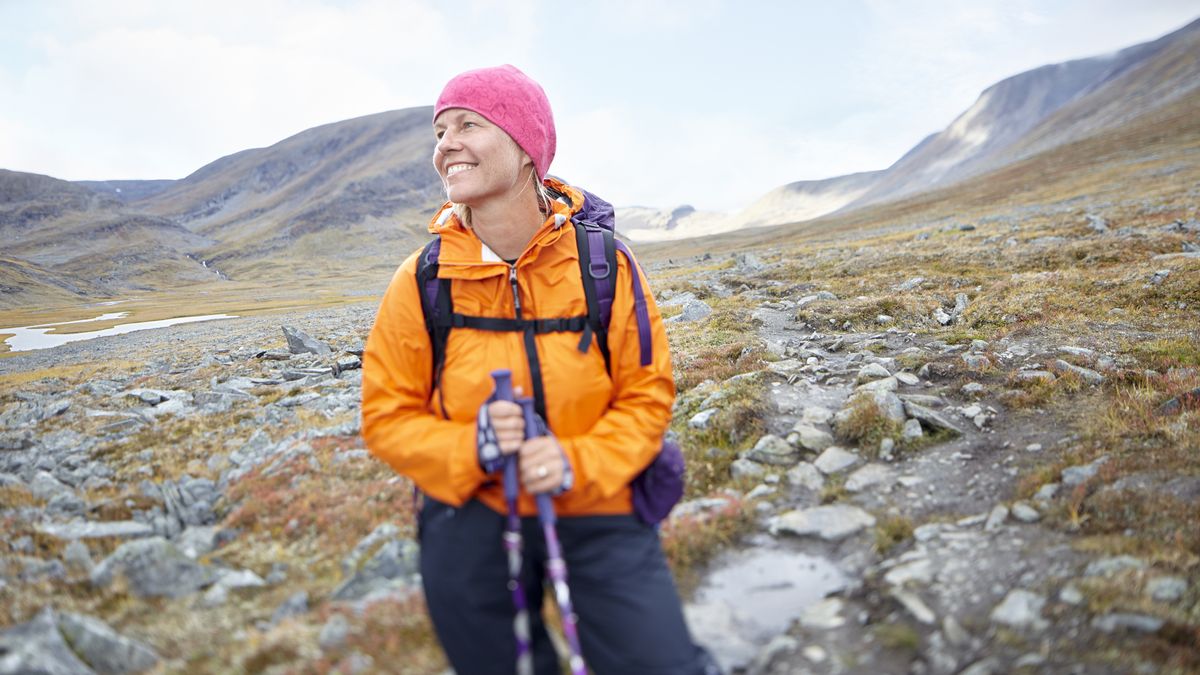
[[439, 134]]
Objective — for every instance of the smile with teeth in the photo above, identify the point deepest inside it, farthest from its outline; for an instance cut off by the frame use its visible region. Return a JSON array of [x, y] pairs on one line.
[[456, 168]]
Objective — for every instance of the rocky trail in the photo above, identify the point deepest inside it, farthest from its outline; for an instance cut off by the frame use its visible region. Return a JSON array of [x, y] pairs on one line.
[[889, 534], [929, 562]]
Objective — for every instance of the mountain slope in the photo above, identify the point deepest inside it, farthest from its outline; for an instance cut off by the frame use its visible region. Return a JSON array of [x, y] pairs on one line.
[[332, 177], [983, 137]]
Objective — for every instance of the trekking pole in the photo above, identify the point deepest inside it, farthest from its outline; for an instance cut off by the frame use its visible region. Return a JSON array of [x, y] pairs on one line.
[[556, 567], [513, 542]]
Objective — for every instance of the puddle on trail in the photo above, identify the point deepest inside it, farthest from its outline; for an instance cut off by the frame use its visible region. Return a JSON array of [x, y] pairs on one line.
[[42, 336], [753, 597]]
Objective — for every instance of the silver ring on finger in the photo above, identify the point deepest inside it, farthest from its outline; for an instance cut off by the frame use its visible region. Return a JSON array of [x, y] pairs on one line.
[[542, 471]]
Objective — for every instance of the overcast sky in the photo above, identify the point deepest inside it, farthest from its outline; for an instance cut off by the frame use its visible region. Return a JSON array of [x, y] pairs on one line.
[[658, 102]]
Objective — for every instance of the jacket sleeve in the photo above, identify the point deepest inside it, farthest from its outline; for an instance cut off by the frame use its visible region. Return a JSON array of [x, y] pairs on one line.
[[397, 423], [629, 434]]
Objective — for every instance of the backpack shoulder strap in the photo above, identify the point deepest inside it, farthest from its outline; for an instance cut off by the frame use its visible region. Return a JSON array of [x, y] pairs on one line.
[[640, 308], [436, 305], [598, 248], [598, 267]]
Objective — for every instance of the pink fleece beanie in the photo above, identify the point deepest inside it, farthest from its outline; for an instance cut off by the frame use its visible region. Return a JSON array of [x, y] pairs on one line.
[[511, 101]]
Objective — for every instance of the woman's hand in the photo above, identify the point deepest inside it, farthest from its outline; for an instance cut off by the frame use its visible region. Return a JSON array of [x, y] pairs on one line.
[[542, 465], [509, 424]]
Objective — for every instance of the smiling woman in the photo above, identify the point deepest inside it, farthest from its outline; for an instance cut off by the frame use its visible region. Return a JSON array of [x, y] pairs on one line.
[[493, 301]]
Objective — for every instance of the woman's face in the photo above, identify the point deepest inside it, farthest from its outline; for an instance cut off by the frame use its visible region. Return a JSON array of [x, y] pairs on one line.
[[476, 159]]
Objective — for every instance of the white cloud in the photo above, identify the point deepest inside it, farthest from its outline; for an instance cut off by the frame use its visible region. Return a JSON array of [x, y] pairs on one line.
[[155, 90]]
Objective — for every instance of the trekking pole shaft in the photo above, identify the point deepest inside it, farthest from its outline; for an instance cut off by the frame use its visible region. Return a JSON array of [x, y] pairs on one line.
[[556, 566], [513, 542]]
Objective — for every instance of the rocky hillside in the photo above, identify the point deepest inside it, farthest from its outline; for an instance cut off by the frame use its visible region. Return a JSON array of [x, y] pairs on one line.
[[95, 245], [939, 448], [348, 177]]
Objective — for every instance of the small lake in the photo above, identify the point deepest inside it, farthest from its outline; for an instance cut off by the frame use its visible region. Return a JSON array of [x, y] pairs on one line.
[[42, 336]]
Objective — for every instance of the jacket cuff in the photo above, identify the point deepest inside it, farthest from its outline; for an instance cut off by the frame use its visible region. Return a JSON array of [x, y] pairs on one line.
[[487, 447]]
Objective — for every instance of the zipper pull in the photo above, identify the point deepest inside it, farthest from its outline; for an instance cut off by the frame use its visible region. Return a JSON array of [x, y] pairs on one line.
[[512, 280]]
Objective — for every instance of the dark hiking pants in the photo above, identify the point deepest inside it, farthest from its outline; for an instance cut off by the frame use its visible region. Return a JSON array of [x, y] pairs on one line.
[[630, 620]]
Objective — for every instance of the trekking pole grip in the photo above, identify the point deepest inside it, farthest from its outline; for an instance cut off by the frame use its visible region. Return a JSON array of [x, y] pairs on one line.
[[545, 505], [503, 382]]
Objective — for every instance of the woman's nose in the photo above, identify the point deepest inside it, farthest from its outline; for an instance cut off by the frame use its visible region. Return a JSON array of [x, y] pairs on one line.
[[448, 141]]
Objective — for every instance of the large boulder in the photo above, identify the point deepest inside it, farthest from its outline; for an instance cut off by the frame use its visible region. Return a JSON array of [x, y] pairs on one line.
[[153, 567]]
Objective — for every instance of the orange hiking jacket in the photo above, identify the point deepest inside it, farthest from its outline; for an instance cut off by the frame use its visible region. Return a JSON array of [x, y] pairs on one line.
[[609, 429]]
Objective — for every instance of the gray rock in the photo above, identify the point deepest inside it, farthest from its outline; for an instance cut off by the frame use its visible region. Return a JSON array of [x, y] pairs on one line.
[[300, 342], [820, 295], [45, 486], [986, 666], [832, 522], [834, 460], [907, 379], [744, 468], [1077, 475], [367, 546], [218, 593], [334, 632], [1111, 566], [1141, 623], [910, 284], [875, 476], [748, 263], [915, 606], [930, 418], [80, 529], [1038, 375], [912, 430], [872, 371], [38, 647], [919, 571], [197, 541], [960, 303], [1025, 513], [394, 564], [942, 317], [677, 299], [773, 450], [996, 517], [806, 476], [77, 558], [695, 310], [1090, 376], [972, 389], [889, 405], [1046, 493], [702, 419], [35, 570], [976, 361], [1082, 352], [1021, 610], [824, 615], [815, 414], [295, 605], [1167, 589], [153, 567], [103, 648], [1158, 277], [1071, 595], [812, 438]]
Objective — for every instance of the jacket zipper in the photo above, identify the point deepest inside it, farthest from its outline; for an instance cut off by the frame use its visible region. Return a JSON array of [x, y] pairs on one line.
[[512, 280]]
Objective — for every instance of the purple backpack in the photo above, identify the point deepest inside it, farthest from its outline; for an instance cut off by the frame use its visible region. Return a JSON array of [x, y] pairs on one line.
[[660, 486]]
